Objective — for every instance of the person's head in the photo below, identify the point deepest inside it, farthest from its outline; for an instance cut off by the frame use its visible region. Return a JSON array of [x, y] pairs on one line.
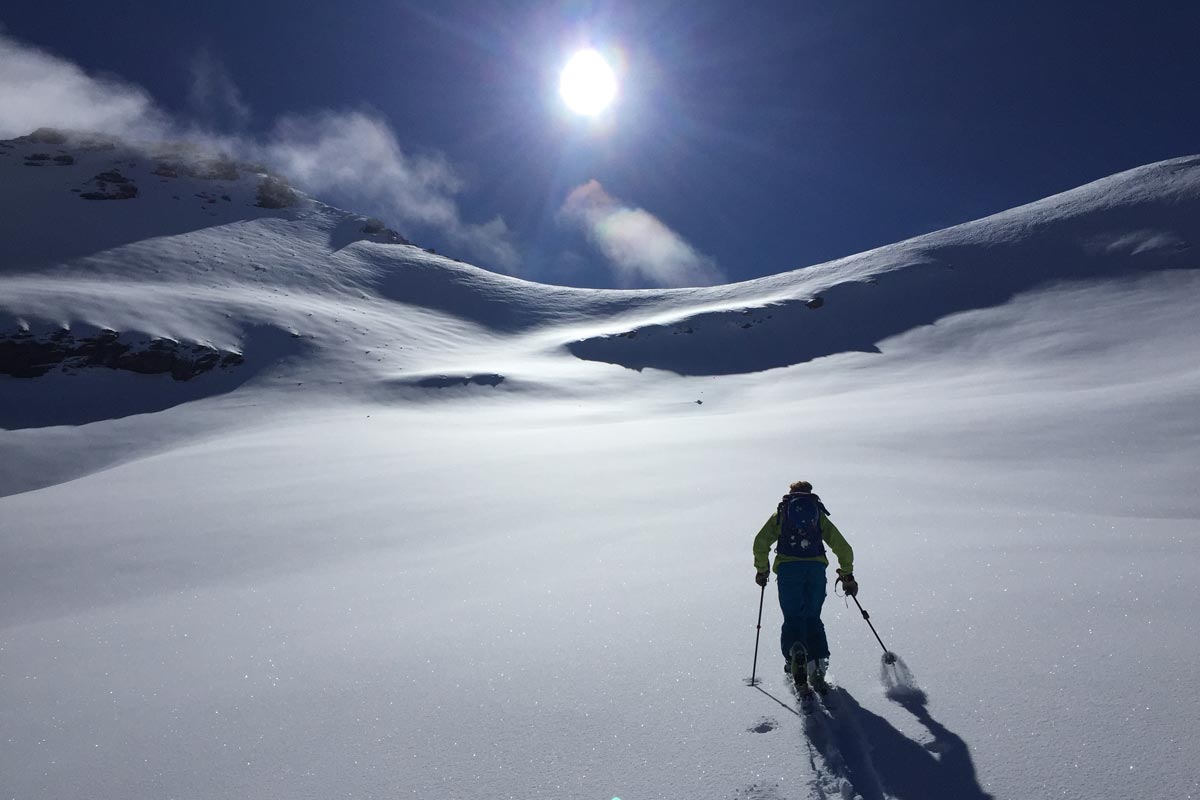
[[800, 486]]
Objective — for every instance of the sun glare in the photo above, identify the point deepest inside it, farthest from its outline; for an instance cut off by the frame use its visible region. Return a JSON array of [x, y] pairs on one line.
[[588, 84]]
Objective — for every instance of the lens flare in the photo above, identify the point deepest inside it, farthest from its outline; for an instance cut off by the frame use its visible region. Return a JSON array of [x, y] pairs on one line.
[[588, 84]]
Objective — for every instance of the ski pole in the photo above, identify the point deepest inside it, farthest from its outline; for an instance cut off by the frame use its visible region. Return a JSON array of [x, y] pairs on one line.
[[758, 630], [888, 656]]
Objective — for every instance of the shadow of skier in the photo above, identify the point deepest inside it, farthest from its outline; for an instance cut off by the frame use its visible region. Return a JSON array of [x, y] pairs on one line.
[[906, 769]]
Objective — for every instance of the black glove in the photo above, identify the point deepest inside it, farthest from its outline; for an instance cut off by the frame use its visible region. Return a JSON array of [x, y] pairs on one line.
[[849, 585], [761, 578]]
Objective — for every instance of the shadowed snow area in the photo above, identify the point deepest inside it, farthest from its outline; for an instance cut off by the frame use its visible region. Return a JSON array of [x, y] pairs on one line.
[[91, 393], [131, 194], [1113, 227], [431, 537]]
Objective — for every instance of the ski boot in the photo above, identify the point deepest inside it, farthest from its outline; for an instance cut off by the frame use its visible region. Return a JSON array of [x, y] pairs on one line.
[[799, 673], [816, 670]]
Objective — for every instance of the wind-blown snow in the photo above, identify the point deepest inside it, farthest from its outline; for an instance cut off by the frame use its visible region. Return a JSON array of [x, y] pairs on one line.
[[435, 539]]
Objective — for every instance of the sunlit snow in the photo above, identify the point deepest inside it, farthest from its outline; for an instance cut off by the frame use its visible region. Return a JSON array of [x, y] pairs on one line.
[[447, 534]]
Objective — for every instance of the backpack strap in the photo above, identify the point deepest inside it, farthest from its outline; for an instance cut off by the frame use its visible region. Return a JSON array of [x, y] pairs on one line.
[[820, 504]]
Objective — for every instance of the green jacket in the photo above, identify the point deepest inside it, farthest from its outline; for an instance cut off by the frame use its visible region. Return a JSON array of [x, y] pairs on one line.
[[829, 532]]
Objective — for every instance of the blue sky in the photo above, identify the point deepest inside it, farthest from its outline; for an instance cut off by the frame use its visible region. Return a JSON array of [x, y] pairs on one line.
[[747, 138]]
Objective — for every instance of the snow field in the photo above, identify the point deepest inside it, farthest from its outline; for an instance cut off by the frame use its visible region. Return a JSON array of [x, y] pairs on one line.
[[324, 579]]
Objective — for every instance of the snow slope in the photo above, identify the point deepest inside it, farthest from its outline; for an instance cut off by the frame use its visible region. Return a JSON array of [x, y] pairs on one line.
[[445, 533]]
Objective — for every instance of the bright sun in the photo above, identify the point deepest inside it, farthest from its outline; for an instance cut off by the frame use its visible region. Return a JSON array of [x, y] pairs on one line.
[[588, 84]]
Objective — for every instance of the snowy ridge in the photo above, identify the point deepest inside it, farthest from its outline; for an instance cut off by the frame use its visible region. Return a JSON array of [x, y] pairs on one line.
[[1138, 221], [857, 302]]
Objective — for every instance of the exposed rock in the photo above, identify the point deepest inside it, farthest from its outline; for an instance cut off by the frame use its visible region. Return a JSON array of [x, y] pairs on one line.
[[447, 381], [124, 192], [274, 192], [97, 143], [112, 176], [815, 302], [47, 136], [23, 355], [220, 168], [375, 227], [125, 189]]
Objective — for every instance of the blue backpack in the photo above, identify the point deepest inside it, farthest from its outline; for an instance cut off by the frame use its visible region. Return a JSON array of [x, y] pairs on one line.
[[800, 526]]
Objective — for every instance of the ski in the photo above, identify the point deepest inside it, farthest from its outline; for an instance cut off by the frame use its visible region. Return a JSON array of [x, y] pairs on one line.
[[806, 698]]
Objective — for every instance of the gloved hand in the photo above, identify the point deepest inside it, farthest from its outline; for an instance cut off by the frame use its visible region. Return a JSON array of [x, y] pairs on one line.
[[849, 585], [761, 578]]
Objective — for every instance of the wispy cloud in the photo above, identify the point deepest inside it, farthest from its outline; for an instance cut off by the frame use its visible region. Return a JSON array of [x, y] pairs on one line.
[[40, 89], [638, 246], [350, 157], [213, 96], [355, 156]]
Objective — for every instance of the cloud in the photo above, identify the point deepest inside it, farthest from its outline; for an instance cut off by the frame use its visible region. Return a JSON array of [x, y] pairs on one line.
[[356, 156], [39, 89], [213, 96], [640, 248], [351, 157]]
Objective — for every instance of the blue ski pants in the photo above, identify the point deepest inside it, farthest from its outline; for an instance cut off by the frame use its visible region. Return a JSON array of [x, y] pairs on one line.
[[801, 595]]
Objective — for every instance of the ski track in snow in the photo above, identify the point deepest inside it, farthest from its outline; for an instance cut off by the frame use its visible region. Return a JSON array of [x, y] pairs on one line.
[[839, 756], [846, 761]]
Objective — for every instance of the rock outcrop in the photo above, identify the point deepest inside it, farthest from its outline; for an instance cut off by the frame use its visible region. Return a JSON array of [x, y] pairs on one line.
[[26, 355]]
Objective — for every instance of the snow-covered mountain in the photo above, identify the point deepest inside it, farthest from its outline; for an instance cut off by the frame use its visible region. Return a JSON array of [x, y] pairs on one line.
[[293, 507]]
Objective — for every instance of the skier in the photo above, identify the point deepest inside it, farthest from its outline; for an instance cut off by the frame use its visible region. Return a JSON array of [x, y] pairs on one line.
[[801, 525]]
